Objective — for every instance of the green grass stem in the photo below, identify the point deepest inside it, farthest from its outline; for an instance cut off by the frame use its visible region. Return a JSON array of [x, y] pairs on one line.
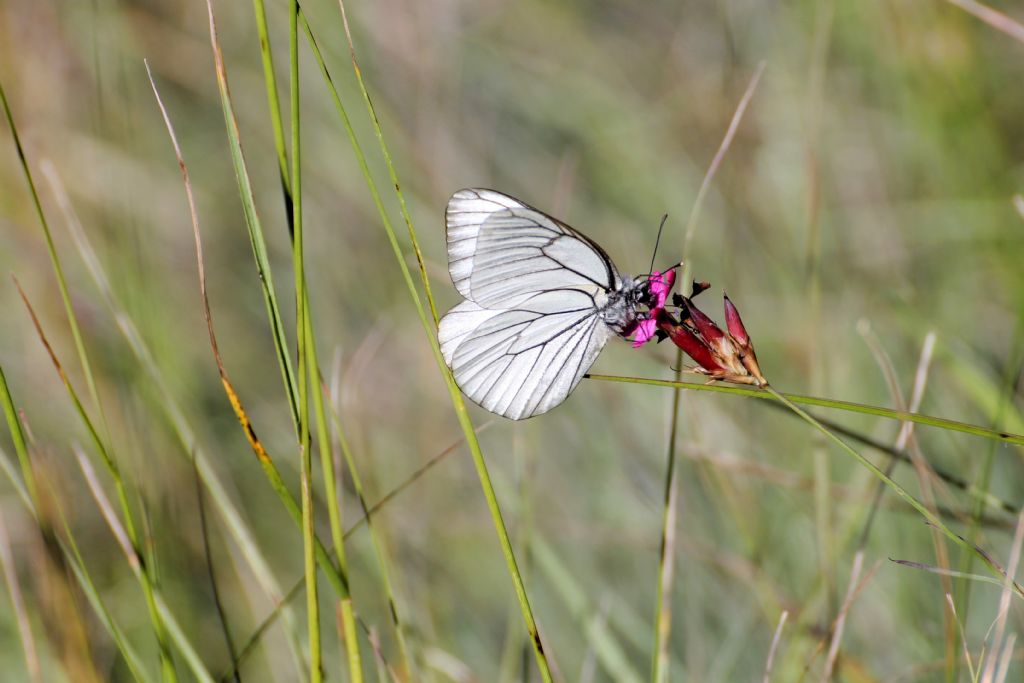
[[303, 333], [929, 516], [459, 406], [848, 406]]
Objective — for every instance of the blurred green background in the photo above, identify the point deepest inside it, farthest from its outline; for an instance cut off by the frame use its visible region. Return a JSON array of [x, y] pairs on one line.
[[871, 180]]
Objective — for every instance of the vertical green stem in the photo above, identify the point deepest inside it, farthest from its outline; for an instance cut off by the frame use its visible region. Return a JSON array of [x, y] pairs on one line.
[[430, 328], [348, 619], [822, 471], [303, 339], [983, 479], [663, 599]]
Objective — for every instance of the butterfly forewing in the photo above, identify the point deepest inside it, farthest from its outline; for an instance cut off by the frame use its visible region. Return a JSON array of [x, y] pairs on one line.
[[531, 326], [501, 250]]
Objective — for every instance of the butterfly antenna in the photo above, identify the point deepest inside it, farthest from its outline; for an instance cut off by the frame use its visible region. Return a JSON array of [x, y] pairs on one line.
[[657, 241]]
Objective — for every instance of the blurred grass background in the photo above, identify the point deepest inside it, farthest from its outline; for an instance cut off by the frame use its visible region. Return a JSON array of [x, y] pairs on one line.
[[871, 180]]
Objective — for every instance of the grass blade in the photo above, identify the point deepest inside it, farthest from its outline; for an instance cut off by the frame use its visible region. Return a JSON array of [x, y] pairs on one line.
[[252, 222], [336, 577], [144, 576], [666, 560], [171, 407], [218, 603], [265, 625], [290, 188], [137, 565], [849, 406], [430, 329], [303, 333], [58, 270], [28, 643], [932, 518]]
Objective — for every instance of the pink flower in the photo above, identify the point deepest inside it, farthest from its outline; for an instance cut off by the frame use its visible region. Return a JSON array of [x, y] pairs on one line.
[[644, 332], [721, 355], [659, 285]]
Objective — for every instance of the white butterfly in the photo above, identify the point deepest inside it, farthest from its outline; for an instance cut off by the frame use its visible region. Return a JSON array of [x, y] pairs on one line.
[[542, 299]]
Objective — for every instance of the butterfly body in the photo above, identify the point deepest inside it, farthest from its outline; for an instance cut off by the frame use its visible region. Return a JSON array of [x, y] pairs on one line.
[[542, 300], [618, 308]]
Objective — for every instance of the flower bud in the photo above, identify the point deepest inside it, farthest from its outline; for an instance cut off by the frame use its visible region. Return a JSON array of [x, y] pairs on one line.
[[735, 323]]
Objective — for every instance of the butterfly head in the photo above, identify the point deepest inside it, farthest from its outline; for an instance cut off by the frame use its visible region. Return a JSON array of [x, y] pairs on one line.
[[637, 300]]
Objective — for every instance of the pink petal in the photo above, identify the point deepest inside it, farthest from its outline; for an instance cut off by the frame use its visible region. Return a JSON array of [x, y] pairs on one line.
[[644, 332], [661, 285]]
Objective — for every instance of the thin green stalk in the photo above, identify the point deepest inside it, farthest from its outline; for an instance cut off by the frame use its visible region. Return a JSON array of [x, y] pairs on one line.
[[235, 525], [28, 494], [137, 564], [366, 519], [1013, 370], [666, 549], [663, 600], [946, 476], [459, 406], [58, 270], [18, 436], [327, 461], [273, 102], [392, 174], [144, 576], [302, 330], [823, 522], [73, 555], [252, 222], [69, 551], [167, 662], [929, 516], [131, 658], [334, 511], [375, 538], [337, 580], [218, 603], [864, 409], [351, 640]]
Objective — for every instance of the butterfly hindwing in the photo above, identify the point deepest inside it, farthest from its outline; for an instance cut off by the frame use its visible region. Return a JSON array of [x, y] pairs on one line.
[[523, 361]]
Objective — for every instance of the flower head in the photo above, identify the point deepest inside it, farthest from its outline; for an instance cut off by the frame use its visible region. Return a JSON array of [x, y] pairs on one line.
[[721, 355]]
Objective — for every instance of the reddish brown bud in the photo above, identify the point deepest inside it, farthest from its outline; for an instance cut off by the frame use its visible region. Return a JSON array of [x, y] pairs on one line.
[[735, 323], [691, 345], [698, 287], [706, 327]]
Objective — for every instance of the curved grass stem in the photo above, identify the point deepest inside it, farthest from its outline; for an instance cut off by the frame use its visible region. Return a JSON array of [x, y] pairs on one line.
[[849, 406], [929, 516]]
